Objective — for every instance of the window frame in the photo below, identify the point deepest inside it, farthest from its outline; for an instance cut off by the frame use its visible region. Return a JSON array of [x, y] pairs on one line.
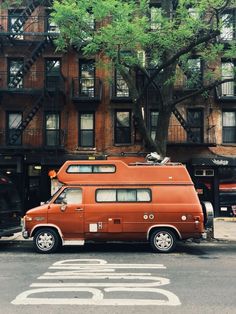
[[57, 137], [199, 128], [123, 189], [84, 81], [129, 128], [124, 89], [92, 169], [231, 127], [10, 74], [18, 142], [80, 142]]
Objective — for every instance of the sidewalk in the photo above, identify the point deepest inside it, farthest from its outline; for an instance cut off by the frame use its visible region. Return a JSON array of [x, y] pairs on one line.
[[224, 229]]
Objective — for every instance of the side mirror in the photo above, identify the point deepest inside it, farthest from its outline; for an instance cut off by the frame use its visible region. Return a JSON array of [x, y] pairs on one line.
[[63, 207], [64, 201]]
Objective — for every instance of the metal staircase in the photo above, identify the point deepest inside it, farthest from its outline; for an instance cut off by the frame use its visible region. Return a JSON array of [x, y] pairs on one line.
[[19, 75], [23, 17], [37, 52], [184, 124], [17, 133]]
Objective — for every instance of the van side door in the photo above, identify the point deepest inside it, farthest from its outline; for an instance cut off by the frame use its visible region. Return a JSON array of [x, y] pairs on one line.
[[66, 212]]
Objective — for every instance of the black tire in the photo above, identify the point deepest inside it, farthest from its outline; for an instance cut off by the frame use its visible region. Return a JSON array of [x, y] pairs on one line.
[[163, 241], [46, 240]]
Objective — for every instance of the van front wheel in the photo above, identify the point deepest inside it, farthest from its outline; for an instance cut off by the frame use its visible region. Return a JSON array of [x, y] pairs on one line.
[[163, 241], [46, 240]]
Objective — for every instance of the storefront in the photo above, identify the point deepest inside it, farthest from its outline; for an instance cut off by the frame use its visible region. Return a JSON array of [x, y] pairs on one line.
[[215, 179]]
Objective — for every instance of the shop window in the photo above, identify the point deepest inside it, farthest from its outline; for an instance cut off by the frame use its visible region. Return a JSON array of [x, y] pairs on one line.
[[204, 172]]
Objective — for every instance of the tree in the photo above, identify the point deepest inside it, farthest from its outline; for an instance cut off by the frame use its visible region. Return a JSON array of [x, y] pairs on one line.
[[167, 35]]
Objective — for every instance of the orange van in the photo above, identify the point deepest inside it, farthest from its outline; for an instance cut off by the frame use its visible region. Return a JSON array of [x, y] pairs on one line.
[[110, 200]]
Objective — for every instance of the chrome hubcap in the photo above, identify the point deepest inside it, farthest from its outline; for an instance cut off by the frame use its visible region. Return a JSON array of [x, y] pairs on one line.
[[45, 241], [163, 241]]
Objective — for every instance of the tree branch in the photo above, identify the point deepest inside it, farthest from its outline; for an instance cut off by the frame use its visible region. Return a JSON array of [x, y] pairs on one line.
[[196, 41], [200, 91]]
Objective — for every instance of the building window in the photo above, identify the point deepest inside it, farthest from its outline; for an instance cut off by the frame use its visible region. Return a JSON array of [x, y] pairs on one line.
[[193, 72], [53, 73], [122, 127], [153, 123], [51, 26], [86, 129], [228, 20], [15, 74], [229, 127], [155, 12], [14, 120], [121, 87], [87, 78], [16, 23], [195, 122], [52, 129], [227, 72]]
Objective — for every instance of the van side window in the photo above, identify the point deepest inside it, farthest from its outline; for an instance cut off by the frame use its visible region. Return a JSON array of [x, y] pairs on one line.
[[123, 195], [91, 169], [69, 196]]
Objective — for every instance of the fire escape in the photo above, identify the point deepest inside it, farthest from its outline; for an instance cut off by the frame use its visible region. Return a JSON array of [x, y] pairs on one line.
[[39, 47]]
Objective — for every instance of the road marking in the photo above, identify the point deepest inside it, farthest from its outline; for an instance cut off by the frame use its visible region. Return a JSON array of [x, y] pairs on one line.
[[104, 284]]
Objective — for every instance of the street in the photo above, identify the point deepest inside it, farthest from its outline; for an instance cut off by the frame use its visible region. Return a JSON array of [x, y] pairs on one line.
[[118, 278]]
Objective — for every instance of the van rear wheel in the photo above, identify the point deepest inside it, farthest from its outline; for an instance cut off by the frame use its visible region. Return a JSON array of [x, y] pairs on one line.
[[163, 241], [46, 240]]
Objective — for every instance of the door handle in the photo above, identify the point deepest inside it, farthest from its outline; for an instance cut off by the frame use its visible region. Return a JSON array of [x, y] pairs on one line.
[[79, 209]]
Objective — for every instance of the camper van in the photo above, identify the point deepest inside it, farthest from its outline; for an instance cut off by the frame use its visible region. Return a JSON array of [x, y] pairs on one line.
[[110, 200]]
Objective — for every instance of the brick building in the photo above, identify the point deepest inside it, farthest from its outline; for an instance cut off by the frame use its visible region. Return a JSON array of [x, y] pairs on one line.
[[58, 106]]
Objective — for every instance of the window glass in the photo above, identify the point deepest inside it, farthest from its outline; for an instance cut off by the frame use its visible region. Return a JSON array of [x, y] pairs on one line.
[[143, 195], [126, 195], [122, 89], [91, 168], [153, 123], [106, 195], [86, 131], [70, 196], [229, 126], [15, 79], [123, 127], [123, 195], [52, 129], [227, 30]]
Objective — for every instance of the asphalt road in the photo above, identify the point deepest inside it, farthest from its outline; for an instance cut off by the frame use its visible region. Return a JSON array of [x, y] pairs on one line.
[[118, 278]]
